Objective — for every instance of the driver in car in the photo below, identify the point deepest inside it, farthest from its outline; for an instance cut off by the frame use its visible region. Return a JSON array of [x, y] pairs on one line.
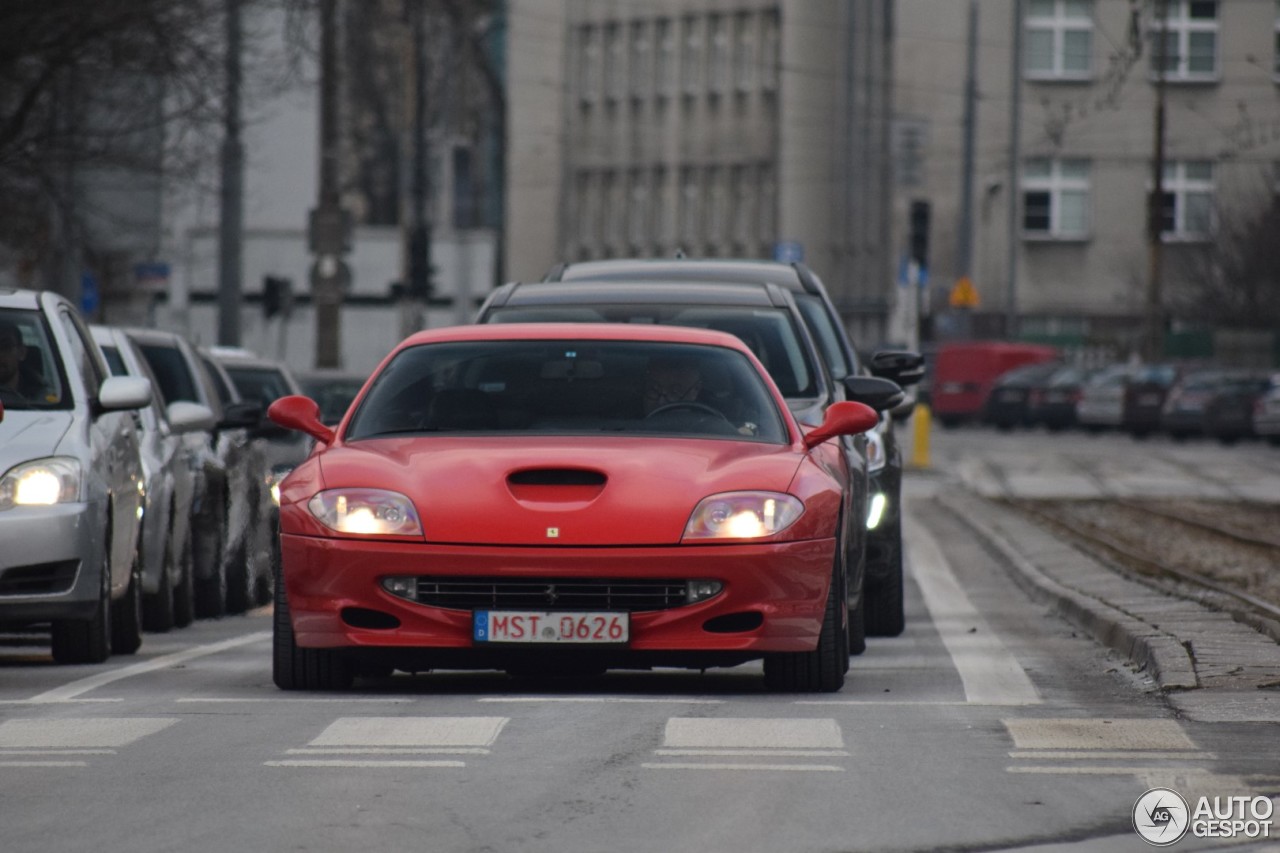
[[670, 380], [13, 376]]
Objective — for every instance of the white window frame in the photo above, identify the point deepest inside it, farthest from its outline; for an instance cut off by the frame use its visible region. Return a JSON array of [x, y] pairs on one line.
[[589, 63], [1179, 27], [615, 58], [770, 51], [689, 209], [720, 58], [692, 51], [1056, 184], [666, 57], [637, 209], [1058, 25], [744, 52], [640, 67], [1178, 184]]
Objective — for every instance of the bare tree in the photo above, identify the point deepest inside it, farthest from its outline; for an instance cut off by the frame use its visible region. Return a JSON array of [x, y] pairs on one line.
[[1235, 281]]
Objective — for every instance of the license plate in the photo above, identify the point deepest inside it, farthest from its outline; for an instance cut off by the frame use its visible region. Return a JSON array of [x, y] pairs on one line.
[[522, 626]]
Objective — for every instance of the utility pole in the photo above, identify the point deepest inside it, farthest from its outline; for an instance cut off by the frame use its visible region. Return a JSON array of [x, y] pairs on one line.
[[1015, 166], [1153, 317], [964, 248], [330, 225], [231, 212], [417, 220]]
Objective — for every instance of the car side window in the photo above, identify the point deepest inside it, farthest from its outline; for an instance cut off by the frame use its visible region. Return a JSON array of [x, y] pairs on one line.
[[824, 333], [83, 354]]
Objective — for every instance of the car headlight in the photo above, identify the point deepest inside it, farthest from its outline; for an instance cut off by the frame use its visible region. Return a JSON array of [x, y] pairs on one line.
[[273, 478], [743, 515], [876, 456], [366, 512], [41, 482]]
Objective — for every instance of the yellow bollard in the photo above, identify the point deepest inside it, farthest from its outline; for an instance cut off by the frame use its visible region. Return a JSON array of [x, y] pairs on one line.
[[921, 421]]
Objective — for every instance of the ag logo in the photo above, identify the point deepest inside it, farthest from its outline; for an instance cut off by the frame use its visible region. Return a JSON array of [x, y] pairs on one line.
[[1161, 817]]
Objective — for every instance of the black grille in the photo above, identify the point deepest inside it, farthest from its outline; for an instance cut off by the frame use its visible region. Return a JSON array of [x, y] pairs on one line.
[[40, 578], [629, 594]]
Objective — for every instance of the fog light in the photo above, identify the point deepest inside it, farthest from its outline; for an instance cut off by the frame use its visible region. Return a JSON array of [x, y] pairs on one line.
[[702, 590], [875, 511], [403, 587]]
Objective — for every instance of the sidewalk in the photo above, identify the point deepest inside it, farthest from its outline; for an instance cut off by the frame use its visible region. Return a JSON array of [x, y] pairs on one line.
[[1211, 667]]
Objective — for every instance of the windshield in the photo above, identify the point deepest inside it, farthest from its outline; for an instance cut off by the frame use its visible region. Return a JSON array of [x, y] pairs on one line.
[[259, 383], [564, 387], [770, 333], [30, 373]]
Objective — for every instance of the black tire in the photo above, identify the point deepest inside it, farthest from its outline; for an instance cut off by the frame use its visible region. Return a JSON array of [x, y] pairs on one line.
[[885, 614], [126, 614], [210, 590], [294, 668], [157, 607], [184, 594], [87, 640], [857, 630], [819, 671], [240, 586]]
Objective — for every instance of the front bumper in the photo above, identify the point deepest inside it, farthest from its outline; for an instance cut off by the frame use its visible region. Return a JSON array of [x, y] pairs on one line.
[[885, 539], [786, 584], [51, 567]]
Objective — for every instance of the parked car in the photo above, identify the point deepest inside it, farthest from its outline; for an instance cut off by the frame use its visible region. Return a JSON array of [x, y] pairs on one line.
[[689, 534], [333, 391], [173, 477], [884, 608], [1102, 398], [764, 316], [1145, 396], [1266, 412], [1228, 416], [966, 371], [265, 381], [225, 579], [1183, 412], [1054, 398], [1009, 401], [71, 482]]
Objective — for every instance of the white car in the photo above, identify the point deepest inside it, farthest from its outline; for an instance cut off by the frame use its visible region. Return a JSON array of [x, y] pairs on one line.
[[175, 487], [71, 485], [1101, 403], [1266, 412]]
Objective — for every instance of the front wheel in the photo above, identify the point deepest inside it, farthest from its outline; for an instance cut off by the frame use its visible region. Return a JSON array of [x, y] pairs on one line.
[[821, 670], [87, 640], [126, 614], [294, 668]]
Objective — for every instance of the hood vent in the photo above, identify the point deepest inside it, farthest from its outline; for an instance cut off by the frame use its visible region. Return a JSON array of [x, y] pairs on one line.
[[557, 477]]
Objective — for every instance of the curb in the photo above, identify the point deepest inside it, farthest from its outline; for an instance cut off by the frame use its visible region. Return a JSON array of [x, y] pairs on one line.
[[1153, 650]]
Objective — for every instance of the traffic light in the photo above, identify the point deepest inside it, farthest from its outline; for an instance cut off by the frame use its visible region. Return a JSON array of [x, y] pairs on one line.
[[919, 233], [276, 294]]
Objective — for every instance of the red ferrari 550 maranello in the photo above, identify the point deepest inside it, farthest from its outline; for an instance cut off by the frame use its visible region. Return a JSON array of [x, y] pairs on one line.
[[565, 498]]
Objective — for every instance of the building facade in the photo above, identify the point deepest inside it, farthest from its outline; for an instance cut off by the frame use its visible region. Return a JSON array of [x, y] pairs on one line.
[[1065, 255], [744, 128]]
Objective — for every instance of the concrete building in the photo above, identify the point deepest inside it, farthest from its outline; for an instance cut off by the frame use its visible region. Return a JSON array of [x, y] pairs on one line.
[[746, 128], [1066, 251]]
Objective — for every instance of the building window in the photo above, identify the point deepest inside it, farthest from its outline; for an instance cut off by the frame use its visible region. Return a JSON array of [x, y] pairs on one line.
[[589, 64], [744, 53], [615, 62], [1187, 209], [665, 66], [691, 58], [587, 209], [663, 229], [767, 184], [770, 51], [721, 56], [641, 57], [718, 215], [1059, 39], [690, 213], [637, 210], [744, 212], [1190, 48], [1055, 199]]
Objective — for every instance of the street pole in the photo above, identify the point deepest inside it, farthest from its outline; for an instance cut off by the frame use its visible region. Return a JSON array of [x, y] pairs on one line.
[[417, 229], [330, 226], [1153, 316], [964, 249], [231, 212], [1015, 165]]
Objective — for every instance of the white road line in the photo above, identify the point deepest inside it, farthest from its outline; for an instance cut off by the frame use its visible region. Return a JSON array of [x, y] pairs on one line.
[[375, 765], [44, 764], [597, 700], [751, 733], [411, 731], [1078, 770], [1093, 754], [351, 700], [80, 732], [376, 750], [887, 702], [84, 685], [787, 753], [66, 701], [990, 674], [8, 752], [790, 768]]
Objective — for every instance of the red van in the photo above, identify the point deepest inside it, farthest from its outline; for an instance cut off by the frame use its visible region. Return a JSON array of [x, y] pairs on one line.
[[965, 370]]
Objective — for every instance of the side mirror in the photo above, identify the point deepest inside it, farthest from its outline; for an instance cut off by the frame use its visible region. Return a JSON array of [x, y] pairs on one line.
[[901, 366], [879, 394], [122, 393], [187, 417], [300, 413], [843, 418], [243, 415]]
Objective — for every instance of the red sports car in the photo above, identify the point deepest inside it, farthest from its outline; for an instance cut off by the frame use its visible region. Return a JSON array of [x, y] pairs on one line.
[[565, 498]]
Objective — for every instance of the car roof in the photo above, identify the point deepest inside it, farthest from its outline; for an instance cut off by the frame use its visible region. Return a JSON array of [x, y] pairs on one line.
[[28, 299], [237, 357], [690, 269], [624, 292], [575, 331]]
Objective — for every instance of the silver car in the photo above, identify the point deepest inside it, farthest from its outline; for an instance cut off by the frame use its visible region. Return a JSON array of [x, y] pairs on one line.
[[175, 487], [71, 486]]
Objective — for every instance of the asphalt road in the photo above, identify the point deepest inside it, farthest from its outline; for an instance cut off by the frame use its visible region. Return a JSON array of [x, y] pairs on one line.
[[989, 724]]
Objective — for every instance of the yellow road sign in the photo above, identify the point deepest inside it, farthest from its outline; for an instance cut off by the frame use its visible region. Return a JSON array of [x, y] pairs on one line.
[[964, 294]]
